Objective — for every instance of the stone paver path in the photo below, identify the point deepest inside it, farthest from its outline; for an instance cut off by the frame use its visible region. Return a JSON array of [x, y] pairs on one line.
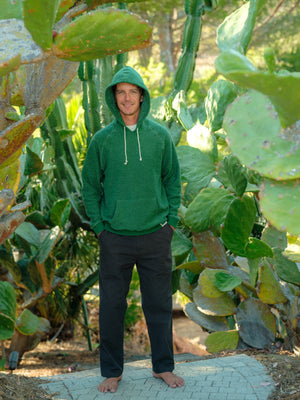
[[238, 377]]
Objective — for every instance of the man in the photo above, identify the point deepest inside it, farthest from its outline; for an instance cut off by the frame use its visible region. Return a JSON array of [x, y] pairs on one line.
[[132, 191]]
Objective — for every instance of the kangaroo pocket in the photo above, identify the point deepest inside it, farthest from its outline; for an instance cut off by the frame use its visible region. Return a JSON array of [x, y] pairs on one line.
[[136, 215]]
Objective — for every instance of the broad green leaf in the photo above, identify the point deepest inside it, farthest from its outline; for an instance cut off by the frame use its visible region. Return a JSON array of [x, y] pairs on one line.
[[215, 306], [39, 18], [209, 250], [205, 321], [60, 212], [283, 89], [100, 33], [48, 244], [268, 288], [33, 163], [193, 266], [226, 282], [257, 248], [7, 327], [207, 281], [256, 323], [29, 233], [185, 286], [220, 341], [274, 238], [27, 323], [197, 216], [219, 211], [219, 96], [181, 245], [280, 204], [8, 302], [10, 65], [286, 270], [238, 225], [253, 273], [196, 167], [233, 175]]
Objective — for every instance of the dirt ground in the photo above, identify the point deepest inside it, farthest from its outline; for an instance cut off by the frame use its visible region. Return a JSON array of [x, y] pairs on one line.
[[67, 357]]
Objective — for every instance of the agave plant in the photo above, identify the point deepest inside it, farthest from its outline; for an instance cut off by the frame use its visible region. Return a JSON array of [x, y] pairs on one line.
[[41, 45]]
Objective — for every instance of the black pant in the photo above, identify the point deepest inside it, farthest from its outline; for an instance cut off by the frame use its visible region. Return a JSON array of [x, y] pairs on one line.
[[151, 254]]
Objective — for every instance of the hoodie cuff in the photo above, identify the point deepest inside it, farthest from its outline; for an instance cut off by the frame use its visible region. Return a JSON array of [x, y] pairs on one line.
[[172, 220], [99, 227]]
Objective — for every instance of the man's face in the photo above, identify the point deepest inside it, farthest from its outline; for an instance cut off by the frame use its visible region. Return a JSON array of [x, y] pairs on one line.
[[128, 98]]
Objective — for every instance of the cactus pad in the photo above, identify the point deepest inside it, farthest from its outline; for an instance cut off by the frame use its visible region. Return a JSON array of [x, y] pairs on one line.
[[101, 33], [280, 204], [282, 88], [255, 135]]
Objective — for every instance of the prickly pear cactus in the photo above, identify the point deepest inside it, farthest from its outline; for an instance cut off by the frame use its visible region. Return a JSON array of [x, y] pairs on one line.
[[41, 45]]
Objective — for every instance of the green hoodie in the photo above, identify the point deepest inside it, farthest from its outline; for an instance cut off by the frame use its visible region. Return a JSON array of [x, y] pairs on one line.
[[131, 179]]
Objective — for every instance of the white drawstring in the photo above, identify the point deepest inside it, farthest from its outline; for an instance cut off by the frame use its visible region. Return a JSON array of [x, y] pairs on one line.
[[138, 139], [125, 147]]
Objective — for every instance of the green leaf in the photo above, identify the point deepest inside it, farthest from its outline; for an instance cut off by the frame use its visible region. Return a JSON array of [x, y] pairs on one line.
[[39, 18], [219, 96], [257, 248], [100, 33], [226, 282], [48, 244], [180, 244], [233, 175], [286, 270], [238, 225], [8, 301], [7, 327], [196, 167], [60, 212], [215, 306], [274, 238], [27, 323], [209, 250], [256, 323], [280, 204], [33, 163], [192, 266], [29, 233], [220, 341], [205, 321], [253, 273], [197, 216], [268, 288]]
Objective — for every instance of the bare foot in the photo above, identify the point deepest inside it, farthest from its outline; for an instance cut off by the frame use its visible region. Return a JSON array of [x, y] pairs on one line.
[[109, 385], [171, 379]]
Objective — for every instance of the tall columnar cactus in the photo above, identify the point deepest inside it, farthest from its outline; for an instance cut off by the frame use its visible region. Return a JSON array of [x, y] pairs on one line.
[[41, 45], [190, 44]]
